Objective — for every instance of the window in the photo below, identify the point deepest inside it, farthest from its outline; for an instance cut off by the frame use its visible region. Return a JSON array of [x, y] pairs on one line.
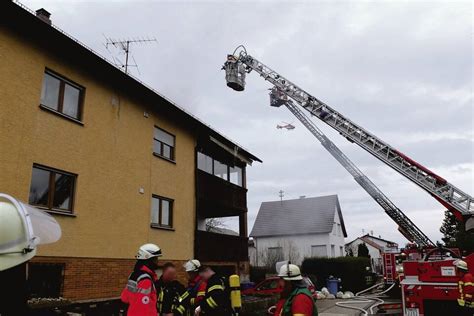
[[163, 144], [235, 175], [161, 212], [275, 254], [204, 163], [220, 170], [339, 231], [333, 251], [45, 279], [319, 251], [61, 95], [52, 189], [341, 251], [226, 172]]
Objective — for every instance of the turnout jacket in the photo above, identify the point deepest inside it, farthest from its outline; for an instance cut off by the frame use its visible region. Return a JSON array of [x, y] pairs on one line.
[[299, 303], [216, 301], [168, 295], [191, 298], [140, 293], [466, 291]]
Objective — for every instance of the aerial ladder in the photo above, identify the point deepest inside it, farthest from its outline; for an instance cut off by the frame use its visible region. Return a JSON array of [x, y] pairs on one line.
[[406, 227], [454, 199]]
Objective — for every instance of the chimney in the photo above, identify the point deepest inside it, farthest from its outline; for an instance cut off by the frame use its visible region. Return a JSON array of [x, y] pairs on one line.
[[43, 15], [302, 196]]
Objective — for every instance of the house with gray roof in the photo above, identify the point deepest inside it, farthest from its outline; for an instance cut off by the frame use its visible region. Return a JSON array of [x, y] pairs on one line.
[[297, 229]]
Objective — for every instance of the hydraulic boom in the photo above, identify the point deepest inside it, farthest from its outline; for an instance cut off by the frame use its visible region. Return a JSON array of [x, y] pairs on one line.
[[405, 225], [458, 202]]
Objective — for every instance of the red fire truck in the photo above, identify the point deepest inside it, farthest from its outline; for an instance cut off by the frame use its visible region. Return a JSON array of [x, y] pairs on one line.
[[429, 282], [429, 286]]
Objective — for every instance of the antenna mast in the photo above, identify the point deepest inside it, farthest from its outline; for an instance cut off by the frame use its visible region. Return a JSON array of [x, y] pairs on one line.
[[124, 45]]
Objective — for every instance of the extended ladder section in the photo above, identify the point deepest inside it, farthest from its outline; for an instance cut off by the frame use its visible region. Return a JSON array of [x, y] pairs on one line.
[[457, 201], [410, 230]]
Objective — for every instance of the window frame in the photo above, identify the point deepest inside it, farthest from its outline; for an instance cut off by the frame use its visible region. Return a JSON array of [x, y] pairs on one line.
[[51, 190], [62, 83], [162, 144], [228, 178], [160, 206]]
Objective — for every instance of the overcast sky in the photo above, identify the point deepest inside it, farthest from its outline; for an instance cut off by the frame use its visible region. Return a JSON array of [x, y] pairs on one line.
[[403, 70]]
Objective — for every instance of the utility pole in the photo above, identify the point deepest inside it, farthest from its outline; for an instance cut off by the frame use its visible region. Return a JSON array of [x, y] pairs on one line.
[[281, 194]]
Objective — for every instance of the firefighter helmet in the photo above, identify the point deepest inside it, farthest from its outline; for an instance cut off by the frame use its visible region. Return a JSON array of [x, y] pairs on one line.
[[192, 265], [148, 251], [461, 265], [290, 272]]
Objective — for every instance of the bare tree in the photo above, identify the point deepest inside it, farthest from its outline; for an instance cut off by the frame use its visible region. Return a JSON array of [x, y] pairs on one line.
[[213, 224]]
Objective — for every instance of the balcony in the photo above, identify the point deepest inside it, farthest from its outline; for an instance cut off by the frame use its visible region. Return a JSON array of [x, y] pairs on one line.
[[218, 247], [219, 198]]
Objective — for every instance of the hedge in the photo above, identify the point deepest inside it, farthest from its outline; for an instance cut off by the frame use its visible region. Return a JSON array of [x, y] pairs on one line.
[[351, 270], [258, 274]]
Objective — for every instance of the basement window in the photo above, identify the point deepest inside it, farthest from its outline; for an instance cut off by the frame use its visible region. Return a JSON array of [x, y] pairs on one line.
[[45, 279], [62, 95], [52, 189]]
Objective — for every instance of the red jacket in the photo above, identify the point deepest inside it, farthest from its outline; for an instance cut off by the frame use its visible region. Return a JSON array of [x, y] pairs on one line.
[[140, 293], [466, 290], [301, 305]]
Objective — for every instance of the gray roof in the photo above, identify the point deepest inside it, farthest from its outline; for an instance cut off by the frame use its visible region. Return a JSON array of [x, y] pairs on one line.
[[312, 215]]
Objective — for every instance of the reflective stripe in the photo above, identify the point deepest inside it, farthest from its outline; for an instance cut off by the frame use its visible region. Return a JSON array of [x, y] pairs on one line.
[[202, 293], [299, 314], [215, 287], [181, 309], [210, 301], [184, 296], [192, 300], [468, 284], [144, 291]]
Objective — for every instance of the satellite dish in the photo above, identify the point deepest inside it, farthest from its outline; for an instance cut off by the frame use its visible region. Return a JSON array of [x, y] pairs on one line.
[[22, 229]]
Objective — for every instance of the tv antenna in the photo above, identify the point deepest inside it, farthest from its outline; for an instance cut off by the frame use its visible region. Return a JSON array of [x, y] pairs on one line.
[[124, 45]]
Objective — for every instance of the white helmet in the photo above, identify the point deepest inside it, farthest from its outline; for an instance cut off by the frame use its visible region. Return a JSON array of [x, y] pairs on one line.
[[22, 229], [148, 251], [290, 272], [192, 265], [461, 265]]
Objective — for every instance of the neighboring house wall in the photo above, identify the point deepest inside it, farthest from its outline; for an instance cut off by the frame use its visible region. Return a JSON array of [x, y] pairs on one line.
[[374, 252], [298, 247]]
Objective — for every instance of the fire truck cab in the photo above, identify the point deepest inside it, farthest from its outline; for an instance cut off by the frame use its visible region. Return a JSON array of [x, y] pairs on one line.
[[430, 286]]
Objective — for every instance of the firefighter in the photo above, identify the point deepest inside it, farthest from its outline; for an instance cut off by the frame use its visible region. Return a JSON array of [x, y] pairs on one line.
[[169, 290], [216, 301], [296, 299], [466, 287], [195, 291], [140, 293]]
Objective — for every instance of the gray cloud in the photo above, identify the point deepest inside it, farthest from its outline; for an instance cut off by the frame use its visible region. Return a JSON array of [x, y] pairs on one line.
[[403, 70]]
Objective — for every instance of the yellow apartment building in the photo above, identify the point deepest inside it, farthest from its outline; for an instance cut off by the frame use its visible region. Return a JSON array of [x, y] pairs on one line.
[[115, 162]]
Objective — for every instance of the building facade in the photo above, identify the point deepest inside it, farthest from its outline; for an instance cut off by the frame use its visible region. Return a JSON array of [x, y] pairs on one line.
[[376, 247], [298, 229], [115, 162]]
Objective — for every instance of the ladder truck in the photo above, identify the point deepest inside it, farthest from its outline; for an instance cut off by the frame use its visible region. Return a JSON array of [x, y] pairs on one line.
[[419, 274], [405, 225]]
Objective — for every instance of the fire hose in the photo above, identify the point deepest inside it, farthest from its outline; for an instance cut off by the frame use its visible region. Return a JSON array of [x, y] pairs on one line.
[[359, 298]]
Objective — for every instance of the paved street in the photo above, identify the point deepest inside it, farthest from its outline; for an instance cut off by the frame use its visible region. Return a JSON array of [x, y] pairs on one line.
[[329, 308]]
